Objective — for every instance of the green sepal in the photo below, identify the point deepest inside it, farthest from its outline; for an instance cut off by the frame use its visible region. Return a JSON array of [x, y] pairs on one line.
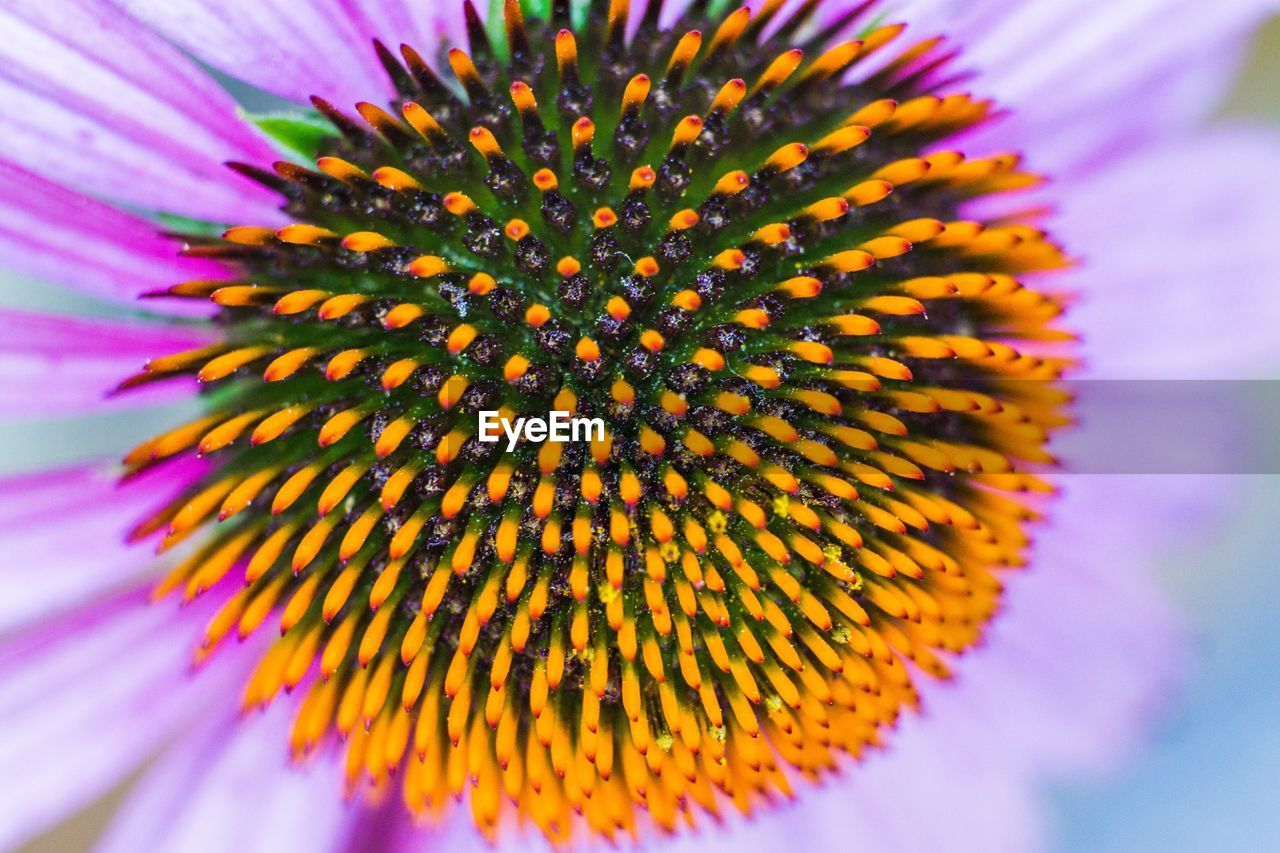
[[496, 25], [539, 9], [186, 225], [302, 132]]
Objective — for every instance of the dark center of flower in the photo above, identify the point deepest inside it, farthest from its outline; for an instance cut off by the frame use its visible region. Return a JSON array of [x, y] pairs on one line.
[[740, 246]]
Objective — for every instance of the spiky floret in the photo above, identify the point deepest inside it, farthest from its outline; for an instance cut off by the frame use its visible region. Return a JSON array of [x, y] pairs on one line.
[[811, 368]]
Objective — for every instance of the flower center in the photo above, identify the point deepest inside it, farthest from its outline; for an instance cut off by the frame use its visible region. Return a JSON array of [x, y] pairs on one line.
[[739, 245]]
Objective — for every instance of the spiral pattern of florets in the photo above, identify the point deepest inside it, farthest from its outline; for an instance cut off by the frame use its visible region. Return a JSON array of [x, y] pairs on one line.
[[739, 244]]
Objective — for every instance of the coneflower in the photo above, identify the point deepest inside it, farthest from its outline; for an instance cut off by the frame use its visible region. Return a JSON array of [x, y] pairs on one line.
[[119, 116], [743, 246]]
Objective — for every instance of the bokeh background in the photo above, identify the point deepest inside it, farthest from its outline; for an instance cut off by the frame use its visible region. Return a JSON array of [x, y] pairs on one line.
[[1209, 776], [1209, 779]]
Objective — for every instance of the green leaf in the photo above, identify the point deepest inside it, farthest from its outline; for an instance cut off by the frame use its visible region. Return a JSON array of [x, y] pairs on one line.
[[303, 133]]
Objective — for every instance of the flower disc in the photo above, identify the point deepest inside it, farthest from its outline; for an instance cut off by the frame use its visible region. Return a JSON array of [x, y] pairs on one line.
[[740, 243]]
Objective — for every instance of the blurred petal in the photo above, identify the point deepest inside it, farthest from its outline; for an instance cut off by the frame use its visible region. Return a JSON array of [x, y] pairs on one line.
[[226, 786], [87, 698], [63, 533], [297, 50], [96, 101], [913, 797], [61, 236], [1183, 238], [1084, 81], [57, 365], [1086, 643]]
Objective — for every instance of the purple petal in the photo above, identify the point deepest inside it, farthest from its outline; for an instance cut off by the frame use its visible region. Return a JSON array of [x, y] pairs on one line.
[[96, 101], [298, 50], [1086, 649], [1083, 81], [86, 699], [64, 536], [55, 365], [61, 236], [226, 786], [1179, 254]]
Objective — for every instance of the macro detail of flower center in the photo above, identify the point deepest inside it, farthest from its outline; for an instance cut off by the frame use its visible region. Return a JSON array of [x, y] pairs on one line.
[[736, 241]]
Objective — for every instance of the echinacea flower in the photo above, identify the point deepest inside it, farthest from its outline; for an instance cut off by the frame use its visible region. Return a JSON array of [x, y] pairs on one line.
[[822, 341]]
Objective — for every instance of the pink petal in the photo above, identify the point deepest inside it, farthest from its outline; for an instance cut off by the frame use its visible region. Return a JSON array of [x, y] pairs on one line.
[[1179, 254], [52, 365], [61, 236], [86, 699], [298, 50], [63, 534], [1087, 647], [97, 102], [1085, 81], [226, 786]]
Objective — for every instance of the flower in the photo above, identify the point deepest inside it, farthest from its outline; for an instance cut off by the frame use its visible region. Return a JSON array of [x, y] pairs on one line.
[[86, 660], [724, 577]]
